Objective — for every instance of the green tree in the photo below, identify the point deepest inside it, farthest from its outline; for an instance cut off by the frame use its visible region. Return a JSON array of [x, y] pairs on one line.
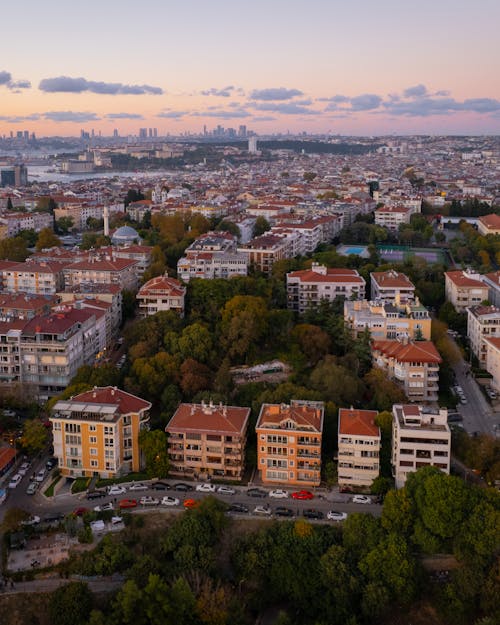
[[47, 239], [154, 446], [9, 204], [244, 323], [34, 436], [13, 248], [196, 341], [261, 225], [309, 176], [12, 519], [64, 224], [71, 604]]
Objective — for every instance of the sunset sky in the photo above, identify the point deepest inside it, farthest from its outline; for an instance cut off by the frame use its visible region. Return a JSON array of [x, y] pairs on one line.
[[353, 67]]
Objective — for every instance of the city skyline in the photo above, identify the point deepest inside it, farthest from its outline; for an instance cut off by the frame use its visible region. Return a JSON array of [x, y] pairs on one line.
[[365, 68]]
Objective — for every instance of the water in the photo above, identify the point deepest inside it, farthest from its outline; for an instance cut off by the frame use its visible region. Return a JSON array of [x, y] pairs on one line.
[[41, 173]]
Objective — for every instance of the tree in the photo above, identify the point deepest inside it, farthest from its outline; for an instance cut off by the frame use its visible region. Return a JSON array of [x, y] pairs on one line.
[[261, 225], [312, 340], [195, 377], [13, 248], [64, 224], [196, 342], [12, 519], [9, 204], [154, 446], [47, 239], [70, 604], [34, 436], [244, 323], [309, 176]]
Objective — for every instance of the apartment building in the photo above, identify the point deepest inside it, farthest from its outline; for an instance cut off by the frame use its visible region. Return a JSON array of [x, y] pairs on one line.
[[102, 270], [289, 443], [489, 224], [307, 288], [492, 281], [32, 277], [421, 437], [96, 433], [388, 320], [15, 223], [208, 440], [391, 217], [213, 255], [263, 251], [391, 286], [108, 293], [493, 360], [464, 288], [159, 294], [359, 448], [10, 351], [483, 322], [413, 365], [141, 254], [25, 305]]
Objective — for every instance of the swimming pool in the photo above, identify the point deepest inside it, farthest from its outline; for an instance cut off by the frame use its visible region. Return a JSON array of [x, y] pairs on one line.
[[358, 250]]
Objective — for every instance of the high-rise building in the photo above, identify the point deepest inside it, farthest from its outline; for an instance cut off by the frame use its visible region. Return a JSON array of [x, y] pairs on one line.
[[242, 131], [115, 133], [143, 133], [252, 145]]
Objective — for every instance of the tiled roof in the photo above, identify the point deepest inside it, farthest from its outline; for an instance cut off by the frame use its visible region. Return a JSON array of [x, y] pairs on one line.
[[209, 418], [113, 396], [332, 276], [391, 279], [310, 417], [492, 221], [163, 285], [462, 278], [358, 422], [417, 351]]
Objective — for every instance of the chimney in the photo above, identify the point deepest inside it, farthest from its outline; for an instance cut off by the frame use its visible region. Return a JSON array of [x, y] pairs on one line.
[[106, 221]]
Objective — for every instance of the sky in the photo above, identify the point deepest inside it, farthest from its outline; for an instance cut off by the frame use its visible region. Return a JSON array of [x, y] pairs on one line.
[[352, 67]]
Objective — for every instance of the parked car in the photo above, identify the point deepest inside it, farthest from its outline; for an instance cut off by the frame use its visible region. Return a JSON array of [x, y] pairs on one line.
[[282, 511], [95, 494], [170, 501], [15, 480], [127, 503], [333, 515], [116, 489], [97, 526], [303, 494], [262, 510], [104, 507], [80, 511], [23, 469], [312, 513], [160, 486], [189, 504], [149, 501], [40, 476], [238, 508], [226, 490], [32, 520], [279, 493], [138, 486], [51, 463], [182, 486], [205, 488], [52, 518], [361, 499], [257, 492], [32, 488], [454, 417]]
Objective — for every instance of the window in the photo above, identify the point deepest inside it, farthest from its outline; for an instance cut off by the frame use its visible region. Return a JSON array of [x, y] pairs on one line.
[[93, 451], [93, 440], [94, 463], [92, 428]]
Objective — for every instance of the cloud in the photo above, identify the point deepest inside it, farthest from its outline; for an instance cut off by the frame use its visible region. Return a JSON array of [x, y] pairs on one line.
[[284, 108], [264, 118], [481, 105], [13, 85], [417, 91], [124, 116], [19, 119], [65, 84], [222, 113], [172, 114], [71, 116], [337, 99], [5, 78], [220, 93], [276, 93], [365, 102]]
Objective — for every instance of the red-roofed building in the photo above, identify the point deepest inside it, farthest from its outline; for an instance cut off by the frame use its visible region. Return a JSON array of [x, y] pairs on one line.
[[32, 277], [359, 448], [308, 288], [25, 306], [489, 224], [102, 270], [208, 440], [96, 433], [289, 443], [465, 288], [412, 364], [391, 286], [161, 293]]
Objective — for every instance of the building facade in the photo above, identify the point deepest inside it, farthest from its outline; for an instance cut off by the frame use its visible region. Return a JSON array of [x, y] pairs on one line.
[[421, 437], [391, 286], [160, 294], [289, 443], [464, 288], [208, 440], [483, 322], [359, 448], [96, 433]]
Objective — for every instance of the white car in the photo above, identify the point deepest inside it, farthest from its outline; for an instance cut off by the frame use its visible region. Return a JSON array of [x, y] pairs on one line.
[[97, 526], [279, 493], [32, 520], [15, 480], [206, 488], [262, 510], [23, 469], [226, 490], [149, 501], [333, 515], [116, 490], [106, 506], [361, 499], [170, 501], [40, 476], [138, 486]]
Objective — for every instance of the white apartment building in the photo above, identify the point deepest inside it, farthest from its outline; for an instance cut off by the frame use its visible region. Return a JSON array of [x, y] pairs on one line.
[[464, 288], [391, 286], [308, 287], [99, 270], [31, 277], [483, 322], [413, 365], [212, 255], [160, 294], [17, 222], [421, 437], [391, 217], [492, 281], [359, 448], [493, 360]]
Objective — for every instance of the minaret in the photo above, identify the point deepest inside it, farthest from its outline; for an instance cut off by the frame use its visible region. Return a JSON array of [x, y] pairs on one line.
[[106, 221]]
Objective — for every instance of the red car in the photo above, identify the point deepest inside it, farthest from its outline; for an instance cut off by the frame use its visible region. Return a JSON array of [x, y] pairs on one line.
[[302, 494], [127, 503], [189, 504], [80, 511]]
